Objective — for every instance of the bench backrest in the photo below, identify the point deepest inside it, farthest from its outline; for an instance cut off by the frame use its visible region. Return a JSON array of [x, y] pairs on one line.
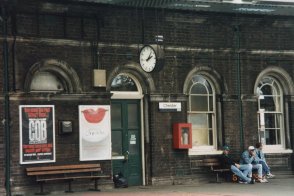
[[211, 162], [62, 169]]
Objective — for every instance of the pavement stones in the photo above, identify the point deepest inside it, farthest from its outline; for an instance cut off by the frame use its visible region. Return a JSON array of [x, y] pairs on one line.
[[275, 187]]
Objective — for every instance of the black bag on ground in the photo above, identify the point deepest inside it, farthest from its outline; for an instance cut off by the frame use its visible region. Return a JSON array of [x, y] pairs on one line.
[[120, 181]]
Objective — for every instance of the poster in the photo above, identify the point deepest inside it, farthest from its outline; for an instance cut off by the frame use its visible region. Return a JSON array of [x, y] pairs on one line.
[[37, 134], [95, 132]]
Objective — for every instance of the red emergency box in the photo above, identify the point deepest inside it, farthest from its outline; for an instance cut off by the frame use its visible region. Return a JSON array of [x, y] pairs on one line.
[[182, 135]]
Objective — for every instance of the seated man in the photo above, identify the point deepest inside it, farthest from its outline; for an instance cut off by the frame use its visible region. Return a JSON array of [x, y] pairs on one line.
[[240, 170], [262, 161], [249, 157]]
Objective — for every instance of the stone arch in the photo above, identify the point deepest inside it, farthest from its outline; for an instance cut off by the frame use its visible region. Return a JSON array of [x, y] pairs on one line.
[[145, 80], [61, 69], [280, 75], [213, 76]]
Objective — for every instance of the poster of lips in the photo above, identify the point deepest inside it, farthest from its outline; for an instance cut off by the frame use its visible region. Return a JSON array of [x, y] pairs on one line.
[[37, 134], [95, 132]]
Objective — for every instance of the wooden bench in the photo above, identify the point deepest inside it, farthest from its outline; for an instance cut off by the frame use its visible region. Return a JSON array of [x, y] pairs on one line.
[[67, 173], [215, 166]]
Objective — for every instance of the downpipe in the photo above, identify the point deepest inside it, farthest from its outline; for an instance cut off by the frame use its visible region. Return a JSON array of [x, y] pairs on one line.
[[6, 120], [238, 63]]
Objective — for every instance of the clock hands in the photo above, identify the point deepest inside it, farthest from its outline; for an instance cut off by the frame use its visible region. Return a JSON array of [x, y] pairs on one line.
[[149, 57]]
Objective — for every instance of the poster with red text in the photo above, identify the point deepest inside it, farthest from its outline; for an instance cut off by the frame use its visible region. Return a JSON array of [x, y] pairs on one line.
[[95, 132], [37, 134]]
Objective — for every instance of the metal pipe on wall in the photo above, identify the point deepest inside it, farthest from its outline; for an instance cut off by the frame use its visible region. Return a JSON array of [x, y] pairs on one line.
[[6, 120], [238, 59]]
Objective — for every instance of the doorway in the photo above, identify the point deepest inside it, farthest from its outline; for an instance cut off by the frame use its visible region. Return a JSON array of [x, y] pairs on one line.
[[126, 128], [126, 140]]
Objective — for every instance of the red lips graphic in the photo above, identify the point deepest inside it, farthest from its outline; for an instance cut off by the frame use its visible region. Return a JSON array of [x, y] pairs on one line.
[[93, 116]]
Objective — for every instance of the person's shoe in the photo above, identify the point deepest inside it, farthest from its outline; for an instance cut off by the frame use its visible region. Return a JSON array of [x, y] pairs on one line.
[[252, 181], [265, 180], [260, 180], [269, 175], [242, 182]]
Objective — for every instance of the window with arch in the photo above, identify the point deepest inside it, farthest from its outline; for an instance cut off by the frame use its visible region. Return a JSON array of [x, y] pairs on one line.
[[202, 113], [270, 112], [46, 82], [126, 86]]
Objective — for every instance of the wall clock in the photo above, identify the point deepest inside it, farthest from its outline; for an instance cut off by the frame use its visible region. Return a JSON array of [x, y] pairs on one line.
[[151, 58]]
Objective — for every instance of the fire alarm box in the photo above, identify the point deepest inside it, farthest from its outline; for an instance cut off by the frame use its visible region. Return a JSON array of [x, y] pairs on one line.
[[182, 135]]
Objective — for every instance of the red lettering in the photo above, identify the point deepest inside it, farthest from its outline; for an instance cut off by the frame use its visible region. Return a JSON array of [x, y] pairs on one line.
[[47, 110], [27, 110], [29, 150], [46, 149], [32, 115]]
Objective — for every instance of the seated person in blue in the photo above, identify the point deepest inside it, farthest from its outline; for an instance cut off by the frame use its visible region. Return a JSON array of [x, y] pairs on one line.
[[242, 171], [260, 155], [249, 157]]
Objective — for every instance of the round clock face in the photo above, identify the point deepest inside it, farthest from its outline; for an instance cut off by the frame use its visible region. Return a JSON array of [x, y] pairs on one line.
[[148, 58]]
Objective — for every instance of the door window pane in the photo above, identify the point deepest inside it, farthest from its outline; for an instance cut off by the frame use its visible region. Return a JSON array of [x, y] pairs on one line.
[[116, 139], [133, 116], [116, 116]]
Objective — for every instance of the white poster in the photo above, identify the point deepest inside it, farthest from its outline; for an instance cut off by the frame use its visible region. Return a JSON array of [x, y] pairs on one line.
[[95, 132]]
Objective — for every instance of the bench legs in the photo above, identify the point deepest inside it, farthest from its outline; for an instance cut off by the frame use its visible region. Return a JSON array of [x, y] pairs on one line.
[[95, 185], [42, 189], [69, 187]]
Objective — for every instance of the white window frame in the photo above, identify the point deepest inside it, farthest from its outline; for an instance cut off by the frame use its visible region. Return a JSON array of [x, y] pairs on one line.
[[204, 149], [276, 148]]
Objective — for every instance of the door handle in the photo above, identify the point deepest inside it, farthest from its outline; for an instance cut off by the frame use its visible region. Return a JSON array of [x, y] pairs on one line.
[[126, 155]]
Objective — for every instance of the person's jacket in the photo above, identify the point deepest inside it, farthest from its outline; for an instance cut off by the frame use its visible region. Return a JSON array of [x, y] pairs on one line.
[[226, 161], [260, 154], [246, 158]]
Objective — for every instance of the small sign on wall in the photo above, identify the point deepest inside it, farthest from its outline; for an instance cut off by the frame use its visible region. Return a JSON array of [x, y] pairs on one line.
[[170, 106]]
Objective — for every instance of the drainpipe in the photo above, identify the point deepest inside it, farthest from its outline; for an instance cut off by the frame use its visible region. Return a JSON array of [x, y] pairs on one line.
[[6, 120], [237, 52]]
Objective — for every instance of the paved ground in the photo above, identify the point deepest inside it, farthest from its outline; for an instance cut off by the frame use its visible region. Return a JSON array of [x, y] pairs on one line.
[[276, 187]]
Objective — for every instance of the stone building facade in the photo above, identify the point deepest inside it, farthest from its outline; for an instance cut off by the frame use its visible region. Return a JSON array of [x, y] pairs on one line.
[[222, 69]]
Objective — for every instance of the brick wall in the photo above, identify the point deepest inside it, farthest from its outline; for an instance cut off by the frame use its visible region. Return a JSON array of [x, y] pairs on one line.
[[191, 40]]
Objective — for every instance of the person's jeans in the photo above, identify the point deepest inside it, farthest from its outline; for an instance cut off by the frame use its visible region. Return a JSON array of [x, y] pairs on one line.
[[265, 167], [259, 169], [243, 171]]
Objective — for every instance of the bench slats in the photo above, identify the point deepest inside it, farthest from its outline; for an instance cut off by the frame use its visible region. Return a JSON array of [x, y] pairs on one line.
[[61, 167], [47, 172], [66, 172], [67, 178]]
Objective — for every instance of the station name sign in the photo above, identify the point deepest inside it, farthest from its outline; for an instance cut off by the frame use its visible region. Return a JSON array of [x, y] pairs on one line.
[[170, 106]]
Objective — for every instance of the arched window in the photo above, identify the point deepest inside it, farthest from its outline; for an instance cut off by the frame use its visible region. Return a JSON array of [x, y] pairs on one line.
[[46, 82], [270, 112], [51, 75], [125, 86], [202, 113]]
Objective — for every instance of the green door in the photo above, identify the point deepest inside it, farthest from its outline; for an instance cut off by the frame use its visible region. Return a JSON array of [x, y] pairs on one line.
[[126, 139]]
